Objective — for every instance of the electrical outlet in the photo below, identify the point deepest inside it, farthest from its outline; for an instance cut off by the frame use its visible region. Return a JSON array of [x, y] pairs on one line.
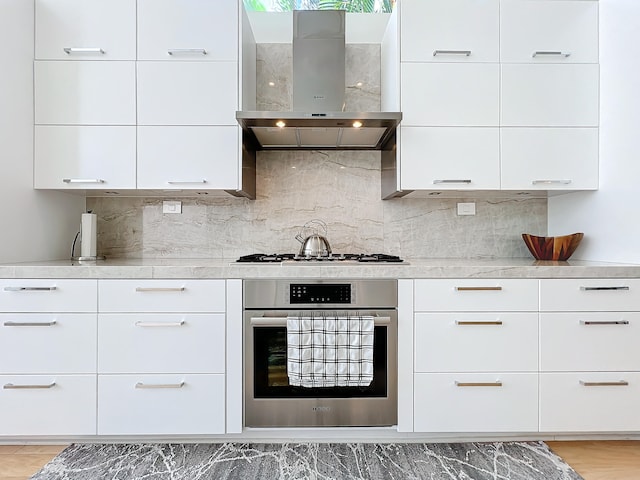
[[467, 208], [171, 206]]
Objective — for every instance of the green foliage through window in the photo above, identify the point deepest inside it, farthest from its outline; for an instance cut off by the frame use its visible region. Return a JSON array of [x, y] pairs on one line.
[[360, 6]]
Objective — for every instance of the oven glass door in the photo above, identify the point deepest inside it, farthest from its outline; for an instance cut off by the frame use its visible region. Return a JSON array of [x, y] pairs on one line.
[[270, 368]]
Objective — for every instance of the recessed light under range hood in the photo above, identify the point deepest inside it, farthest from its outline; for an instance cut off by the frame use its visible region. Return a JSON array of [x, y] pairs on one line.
[[318, 120]]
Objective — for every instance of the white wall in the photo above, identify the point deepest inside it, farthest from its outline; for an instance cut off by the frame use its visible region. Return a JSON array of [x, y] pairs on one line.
[[609, 217], [34, 225]]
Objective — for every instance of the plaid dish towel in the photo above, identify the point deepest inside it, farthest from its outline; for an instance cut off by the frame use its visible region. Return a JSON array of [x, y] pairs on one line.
[[330, 350]]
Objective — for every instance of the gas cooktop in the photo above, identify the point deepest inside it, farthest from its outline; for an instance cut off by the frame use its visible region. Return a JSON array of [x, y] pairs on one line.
[[343, 257]]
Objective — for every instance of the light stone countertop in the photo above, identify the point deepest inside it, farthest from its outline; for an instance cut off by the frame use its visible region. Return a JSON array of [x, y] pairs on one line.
[[228, 268]]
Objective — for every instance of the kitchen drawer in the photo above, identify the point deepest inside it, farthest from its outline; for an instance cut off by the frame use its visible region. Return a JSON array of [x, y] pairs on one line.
[[489, 295], [162, 296], [48, 405], [161, 404], [48, 295], [476, 342], [475, 402], [568, 405], [590, 341], [47, 343], [161, 343], [585, 295]]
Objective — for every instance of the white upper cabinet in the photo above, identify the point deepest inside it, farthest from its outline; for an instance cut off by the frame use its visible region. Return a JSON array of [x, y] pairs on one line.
[[449, 30], [549, 31], [188, 30], [85, 29]]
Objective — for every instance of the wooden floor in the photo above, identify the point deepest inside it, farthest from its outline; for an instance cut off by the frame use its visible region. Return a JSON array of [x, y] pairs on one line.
[[611, 460]]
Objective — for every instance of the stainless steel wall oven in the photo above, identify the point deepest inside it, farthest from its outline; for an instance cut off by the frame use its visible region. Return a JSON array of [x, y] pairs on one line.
[[270, 401]]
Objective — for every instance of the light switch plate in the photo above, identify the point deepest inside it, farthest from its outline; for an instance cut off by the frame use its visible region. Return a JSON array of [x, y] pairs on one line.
[[467, 208], [171, 206]]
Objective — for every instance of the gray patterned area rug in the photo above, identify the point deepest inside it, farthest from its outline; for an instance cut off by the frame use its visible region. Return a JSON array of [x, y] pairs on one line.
[[309, 461]]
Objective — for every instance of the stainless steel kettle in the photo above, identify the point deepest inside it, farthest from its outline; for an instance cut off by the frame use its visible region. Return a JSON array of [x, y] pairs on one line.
[[314, 244]]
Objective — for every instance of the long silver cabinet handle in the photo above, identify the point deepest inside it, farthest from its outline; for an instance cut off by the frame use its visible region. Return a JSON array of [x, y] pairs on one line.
[[621, 383], [282, 321], [11, 386], [607, 322], [479, 384], [160, 289], [159, 385], [464, 323], [29, 289], [478, 289], [551, 182], [30, 324], [548, 53], [466, 53], [447, 181], [186, 51], [83, 180], [159, 324], [605, 289], [70, 50], [174, 182]]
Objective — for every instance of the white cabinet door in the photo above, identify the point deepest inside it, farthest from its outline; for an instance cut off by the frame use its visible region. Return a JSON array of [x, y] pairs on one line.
[[161, 404], [85, 157], [476, 342], [450, 158], [589, 402], [549, 158], [589, 341], [87, 93], [48, 405], [187, 93], [87, 29], [450, 94], [199, 30], [445, 30], [590, 295], [186, 158], [47, 343], [549, 95], [540, 31], [473, 402], [48, 295], [161, 343]]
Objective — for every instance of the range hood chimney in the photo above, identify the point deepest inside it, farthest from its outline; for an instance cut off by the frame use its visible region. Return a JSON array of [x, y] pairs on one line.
[[318, 120]]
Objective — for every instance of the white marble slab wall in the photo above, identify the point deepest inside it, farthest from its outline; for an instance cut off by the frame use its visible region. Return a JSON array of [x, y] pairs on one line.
[[341, 188]]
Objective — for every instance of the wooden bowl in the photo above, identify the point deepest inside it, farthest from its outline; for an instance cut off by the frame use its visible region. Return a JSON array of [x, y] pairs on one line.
[[552, 248]]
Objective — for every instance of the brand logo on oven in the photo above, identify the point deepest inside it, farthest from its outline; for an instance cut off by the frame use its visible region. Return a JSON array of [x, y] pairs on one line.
[[321, 409]]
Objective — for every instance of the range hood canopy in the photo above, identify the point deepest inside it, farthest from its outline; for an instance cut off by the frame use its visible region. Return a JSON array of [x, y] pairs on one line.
[[318, 120]]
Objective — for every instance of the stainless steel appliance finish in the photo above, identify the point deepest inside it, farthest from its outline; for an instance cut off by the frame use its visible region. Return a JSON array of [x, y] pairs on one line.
[[270, 401]]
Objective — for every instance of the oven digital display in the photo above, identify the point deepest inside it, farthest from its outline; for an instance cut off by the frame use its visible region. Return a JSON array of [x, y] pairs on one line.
[[319, 293]]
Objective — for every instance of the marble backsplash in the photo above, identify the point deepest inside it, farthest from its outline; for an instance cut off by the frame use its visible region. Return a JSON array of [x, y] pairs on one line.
[[341, 188]]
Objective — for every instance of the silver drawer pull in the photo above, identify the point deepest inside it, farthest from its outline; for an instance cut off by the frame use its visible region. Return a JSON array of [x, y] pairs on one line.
[[159, 385], [478, 289], [479, 384], [70, 50], [11, 386], [83, 180], [621, 383], [450, 181], [30, 324], [159, 324], [607, 322], [282, 321], [494, 322], [466, 53], [174, 182], [604, 289], [186, 51], [29, 289], [551, 182], [544, 53], [160, 289]]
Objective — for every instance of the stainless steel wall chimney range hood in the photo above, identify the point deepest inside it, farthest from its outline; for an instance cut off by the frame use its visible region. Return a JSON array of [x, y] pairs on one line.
[[318, 120]]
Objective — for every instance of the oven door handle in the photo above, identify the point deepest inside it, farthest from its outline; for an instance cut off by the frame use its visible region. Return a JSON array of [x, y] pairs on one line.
[[282, 321]]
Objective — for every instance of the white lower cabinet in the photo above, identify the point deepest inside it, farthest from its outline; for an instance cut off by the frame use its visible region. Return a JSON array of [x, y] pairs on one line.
[[465, 402], [170, 404], [48, 405]]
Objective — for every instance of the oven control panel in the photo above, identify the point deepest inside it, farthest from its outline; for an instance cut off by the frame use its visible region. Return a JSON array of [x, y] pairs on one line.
[[320, 293]]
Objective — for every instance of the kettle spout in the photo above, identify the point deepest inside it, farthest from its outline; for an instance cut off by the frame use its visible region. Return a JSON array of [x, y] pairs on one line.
[[300, 238]]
